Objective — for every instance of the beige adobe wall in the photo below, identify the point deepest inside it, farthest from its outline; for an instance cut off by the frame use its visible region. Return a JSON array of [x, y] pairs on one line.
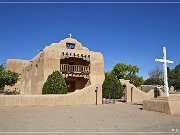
[[15, 65], [35, 72], [133, 94], [62, 44], [33, 76], [52, 57], [170, 105], [138, 96], [162, 94], [151, 93], [54, 52], [85, 96], [97, 68]]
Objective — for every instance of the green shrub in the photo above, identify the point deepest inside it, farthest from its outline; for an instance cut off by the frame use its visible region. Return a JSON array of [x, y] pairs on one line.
[[55, 84], [112, 87], [8, 78]]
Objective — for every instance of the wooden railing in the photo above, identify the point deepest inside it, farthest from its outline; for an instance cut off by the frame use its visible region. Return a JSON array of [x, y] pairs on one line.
[[74, 68]]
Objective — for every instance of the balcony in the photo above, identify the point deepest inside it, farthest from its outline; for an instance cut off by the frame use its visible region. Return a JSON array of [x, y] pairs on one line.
[[74, 69]]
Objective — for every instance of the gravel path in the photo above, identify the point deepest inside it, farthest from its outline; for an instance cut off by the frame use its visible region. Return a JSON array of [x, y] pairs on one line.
[[93, 119]]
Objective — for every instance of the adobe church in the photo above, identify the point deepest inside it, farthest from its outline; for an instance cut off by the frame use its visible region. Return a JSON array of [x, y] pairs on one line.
[[79, 67]]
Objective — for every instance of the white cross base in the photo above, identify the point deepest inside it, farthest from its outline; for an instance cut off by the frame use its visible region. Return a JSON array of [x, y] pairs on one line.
[[166, 88]]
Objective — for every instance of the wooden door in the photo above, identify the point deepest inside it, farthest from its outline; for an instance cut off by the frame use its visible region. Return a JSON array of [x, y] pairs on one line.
[[71, 86]]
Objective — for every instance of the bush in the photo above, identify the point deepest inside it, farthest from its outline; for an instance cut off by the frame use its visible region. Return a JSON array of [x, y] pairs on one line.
[[112, 87], [8, 78], [55, 84]]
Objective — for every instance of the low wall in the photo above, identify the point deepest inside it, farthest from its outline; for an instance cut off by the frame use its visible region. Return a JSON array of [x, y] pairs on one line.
[[135, 95], [138, 96], [170, 105], [83, 96]]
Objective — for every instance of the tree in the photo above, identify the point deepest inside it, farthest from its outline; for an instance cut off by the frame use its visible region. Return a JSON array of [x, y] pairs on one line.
[[155, 77], [171, 76], [174, 77], [134, 79], [119, 70], [112, 87], [1, 68], [7, 77], [132, 69], [177, 77], [55, 84], [153, 81], [128, 72], [156, 73]]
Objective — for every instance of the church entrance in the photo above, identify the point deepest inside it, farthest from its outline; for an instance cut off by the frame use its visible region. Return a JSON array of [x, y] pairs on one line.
[[76, 83], [71, 86]]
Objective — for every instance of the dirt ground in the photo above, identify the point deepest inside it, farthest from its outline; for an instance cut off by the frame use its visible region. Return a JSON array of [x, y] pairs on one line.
[[120, 118]]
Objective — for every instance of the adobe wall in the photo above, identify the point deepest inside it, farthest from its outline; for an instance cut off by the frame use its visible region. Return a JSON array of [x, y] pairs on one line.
[[15, 65], [35, 72], [53, 55], [84, 96], [32, 75], [135, 95], [97, 68], [169, 105]]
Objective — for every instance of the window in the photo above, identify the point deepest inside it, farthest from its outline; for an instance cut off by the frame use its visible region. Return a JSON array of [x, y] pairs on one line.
[[70, 46]]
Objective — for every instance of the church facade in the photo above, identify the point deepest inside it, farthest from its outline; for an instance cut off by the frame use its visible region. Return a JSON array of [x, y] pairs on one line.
[[79, 66]]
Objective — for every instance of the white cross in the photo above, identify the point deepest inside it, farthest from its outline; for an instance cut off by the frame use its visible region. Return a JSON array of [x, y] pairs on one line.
[[166, 88], [70, 35]]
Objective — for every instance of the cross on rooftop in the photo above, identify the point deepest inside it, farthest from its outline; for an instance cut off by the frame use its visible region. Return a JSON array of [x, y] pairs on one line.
[[70, 35], [165, 61]]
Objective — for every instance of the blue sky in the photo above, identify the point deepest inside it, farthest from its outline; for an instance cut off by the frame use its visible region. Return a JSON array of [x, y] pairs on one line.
[[124, 33]]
